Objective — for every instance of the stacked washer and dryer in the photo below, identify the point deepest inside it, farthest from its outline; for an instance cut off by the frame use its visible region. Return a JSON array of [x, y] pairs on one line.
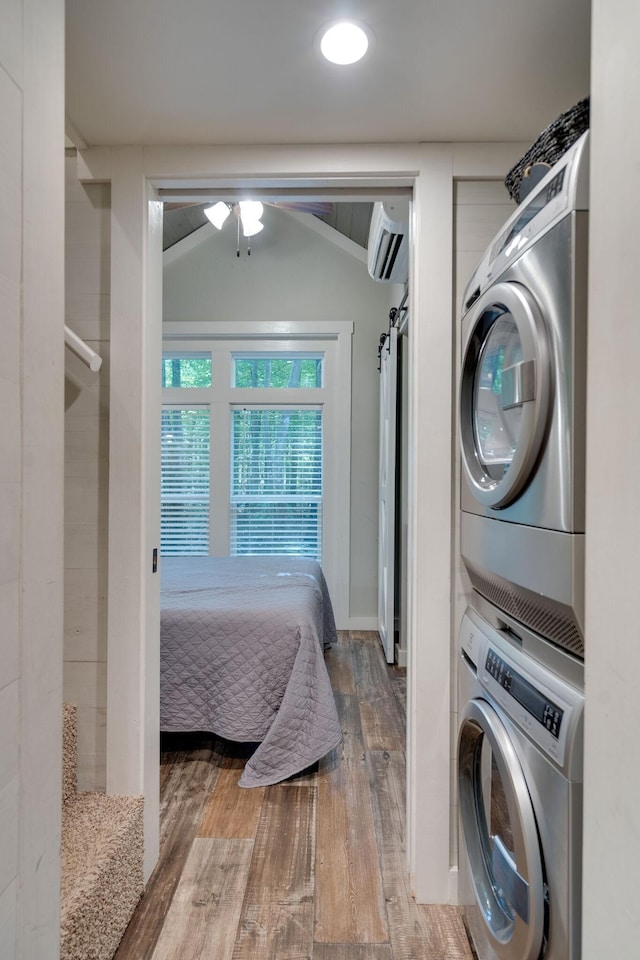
[[520, 691]]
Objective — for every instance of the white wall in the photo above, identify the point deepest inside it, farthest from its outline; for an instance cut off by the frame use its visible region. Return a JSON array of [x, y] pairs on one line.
[[86, 490], [612, 664], [31, 363], [295, 274]]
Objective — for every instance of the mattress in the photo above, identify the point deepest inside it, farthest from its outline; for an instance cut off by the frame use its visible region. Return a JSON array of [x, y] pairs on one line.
[[242, 641]]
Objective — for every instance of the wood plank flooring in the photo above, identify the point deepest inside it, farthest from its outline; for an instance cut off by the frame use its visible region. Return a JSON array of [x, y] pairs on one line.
[[309, 869]]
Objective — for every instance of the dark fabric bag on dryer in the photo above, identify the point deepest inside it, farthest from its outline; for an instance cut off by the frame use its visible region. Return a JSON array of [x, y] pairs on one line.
[[552, 143]]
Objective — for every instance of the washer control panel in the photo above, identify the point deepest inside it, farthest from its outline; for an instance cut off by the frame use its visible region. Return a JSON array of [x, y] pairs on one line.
[[544, 710], [543, 705]]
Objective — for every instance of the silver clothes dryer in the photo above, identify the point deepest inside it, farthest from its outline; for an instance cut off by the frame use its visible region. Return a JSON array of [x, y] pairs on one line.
[[522, 409], [519, 761]]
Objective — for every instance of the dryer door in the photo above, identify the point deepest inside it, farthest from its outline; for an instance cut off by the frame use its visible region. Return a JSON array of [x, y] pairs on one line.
[[500, 834], [505, 393]]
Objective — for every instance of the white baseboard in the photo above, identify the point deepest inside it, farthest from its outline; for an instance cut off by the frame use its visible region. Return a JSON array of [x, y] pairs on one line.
[[360, 623], [453, 885], [401, 655]]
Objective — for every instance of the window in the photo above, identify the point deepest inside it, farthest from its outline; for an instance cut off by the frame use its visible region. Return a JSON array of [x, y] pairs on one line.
[[186, 370], [274, 371], [276, 488], [185, 481], [272, 453], [256, 432]]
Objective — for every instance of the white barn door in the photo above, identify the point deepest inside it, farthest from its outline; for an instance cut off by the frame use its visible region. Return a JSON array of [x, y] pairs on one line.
[[387, 470]]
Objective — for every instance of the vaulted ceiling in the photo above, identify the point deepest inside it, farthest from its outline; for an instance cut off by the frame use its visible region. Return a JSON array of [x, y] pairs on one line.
[[350, 219]]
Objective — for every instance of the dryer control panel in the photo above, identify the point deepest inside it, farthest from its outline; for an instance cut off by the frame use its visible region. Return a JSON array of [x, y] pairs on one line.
[[564, 189], [514, 237]]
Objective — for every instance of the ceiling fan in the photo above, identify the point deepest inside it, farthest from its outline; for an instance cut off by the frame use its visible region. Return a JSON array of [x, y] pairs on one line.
[[248, 214]]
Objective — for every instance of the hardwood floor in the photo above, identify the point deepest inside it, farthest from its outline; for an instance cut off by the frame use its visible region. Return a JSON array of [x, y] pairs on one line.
[[309, 869]]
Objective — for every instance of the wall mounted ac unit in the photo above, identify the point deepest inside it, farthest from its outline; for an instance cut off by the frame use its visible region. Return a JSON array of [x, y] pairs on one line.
[[388, 246]]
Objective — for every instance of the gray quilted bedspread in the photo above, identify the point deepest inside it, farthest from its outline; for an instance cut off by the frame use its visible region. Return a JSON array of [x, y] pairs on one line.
[[242, 643]]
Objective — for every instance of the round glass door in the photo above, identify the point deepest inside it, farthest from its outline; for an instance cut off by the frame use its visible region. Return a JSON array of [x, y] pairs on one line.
[[496, 427], [504, 394], [500, 835]]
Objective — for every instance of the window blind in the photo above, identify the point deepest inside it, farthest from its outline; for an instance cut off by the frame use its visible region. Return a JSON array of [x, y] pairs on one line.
[[185, 455], [276, 487]]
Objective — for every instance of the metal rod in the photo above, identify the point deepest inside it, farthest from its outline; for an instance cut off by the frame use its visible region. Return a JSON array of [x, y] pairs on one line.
[[82, 349]]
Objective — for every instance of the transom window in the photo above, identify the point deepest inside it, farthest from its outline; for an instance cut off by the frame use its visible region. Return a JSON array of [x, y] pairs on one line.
[[186, 370], [273, 371]]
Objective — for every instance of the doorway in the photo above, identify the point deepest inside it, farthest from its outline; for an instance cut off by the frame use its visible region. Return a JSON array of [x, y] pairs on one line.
[[136, 177]]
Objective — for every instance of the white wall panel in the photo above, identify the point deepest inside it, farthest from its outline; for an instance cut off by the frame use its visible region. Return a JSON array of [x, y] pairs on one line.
[[479, 192], [10, 298], [9, 618], [9, 817], [8, 921], [10, 170], [10, 499], [42, 249], [11, 441], [85, 622], [612, 664], [81, 501], [87, 303], [9, 733], [86, 444], [85, 685], [478, 221], [11, 55], [88, 314], [10, 406], [87, 268]]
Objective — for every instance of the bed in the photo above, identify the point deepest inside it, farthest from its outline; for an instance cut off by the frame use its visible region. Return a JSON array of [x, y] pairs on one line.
[[242, 656]]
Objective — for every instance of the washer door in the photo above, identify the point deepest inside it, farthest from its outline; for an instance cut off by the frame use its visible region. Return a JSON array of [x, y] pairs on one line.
[[505, 393], [501, 836]]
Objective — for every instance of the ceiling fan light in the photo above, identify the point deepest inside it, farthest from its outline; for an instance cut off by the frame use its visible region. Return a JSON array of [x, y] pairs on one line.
[[251, 226], [344, 43], [217, 214], [251, 209]]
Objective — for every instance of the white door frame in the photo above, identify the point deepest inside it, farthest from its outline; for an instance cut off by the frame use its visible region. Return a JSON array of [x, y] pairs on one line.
[[388, 369], [136, 320]]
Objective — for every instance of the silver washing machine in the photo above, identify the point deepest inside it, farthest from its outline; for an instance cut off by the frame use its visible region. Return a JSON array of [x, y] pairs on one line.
[[519, 764], [522, 409]]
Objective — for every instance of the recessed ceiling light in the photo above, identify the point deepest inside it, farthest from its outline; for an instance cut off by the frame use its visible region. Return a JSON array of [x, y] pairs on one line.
[[344, 43]]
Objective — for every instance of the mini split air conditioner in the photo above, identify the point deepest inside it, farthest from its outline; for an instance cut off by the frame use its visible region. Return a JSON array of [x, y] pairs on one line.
[[388, 246]]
